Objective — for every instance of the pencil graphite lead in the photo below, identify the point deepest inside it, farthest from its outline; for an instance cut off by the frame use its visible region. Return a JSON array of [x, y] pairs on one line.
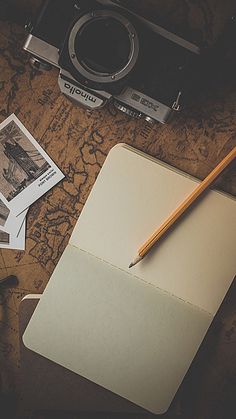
[[135, 261]]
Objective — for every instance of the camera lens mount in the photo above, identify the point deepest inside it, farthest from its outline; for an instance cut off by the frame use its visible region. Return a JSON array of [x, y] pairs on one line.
[[103, 46]]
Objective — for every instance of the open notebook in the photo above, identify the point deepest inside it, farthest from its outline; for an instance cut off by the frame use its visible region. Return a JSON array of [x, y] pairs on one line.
[[136, 331]]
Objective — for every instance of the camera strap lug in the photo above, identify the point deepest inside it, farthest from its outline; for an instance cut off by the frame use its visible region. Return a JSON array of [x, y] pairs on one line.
[[176, 105]]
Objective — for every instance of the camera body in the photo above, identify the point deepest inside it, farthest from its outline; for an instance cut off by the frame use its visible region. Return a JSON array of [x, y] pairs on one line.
[[106, 53]]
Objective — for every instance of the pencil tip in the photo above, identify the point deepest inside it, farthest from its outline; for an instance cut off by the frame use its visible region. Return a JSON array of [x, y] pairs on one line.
[[135, 261]]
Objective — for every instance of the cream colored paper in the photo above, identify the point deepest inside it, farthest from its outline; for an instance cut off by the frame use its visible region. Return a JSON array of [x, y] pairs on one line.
[[115, 330], [136, 331], [132, 196]]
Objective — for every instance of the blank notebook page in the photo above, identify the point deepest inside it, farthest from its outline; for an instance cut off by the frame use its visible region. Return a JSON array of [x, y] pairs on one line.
[[132, 196], [136, 331], [115, 330]]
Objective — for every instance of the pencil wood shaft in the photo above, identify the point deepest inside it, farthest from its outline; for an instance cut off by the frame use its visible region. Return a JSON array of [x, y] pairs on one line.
[[186, 203]]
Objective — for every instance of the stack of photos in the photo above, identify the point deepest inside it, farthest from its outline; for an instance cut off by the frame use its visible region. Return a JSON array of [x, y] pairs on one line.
[[26, 173]]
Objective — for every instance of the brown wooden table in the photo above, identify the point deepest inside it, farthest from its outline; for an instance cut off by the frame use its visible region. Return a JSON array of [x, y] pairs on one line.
[[78, 142]]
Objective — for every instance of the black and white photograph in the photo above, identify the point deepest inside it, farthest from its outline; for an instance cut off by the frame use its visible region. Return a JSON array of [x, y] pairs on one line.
[[9, 222], [4, 237], [4, 213], [13, 239], [26, 171], [21, 163], [14, 223]]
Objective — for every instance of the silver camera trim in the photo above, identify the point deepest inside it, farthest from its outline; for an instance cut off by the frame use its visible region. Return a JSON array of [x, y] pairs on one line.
[[137, 100], [41, 49], [97, 76], [129, 99], [80, 95]]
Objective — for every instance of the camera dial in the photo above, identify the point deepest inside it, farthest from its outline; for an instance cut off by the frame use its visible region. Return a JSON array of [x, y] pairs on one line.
[[127, 110]]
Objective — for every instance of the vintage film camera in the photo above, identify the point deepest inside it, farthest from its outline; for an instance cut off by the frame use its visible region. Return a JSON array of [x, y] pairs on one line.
[[105, 52]]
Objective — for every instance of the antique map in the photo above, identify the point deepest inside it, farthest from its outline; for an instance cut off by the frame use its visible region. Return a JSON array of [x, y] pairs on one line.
[[78, 142]]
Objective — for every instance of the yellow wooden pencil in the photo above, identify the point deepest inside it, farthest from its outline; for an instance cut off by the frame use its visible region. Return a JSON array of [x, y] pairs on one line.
[[144, 249]]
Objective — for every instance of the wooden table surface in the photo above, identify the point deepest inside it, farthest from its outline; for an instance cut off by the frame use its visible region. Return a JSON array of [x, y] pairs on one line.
[[194, 141]]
